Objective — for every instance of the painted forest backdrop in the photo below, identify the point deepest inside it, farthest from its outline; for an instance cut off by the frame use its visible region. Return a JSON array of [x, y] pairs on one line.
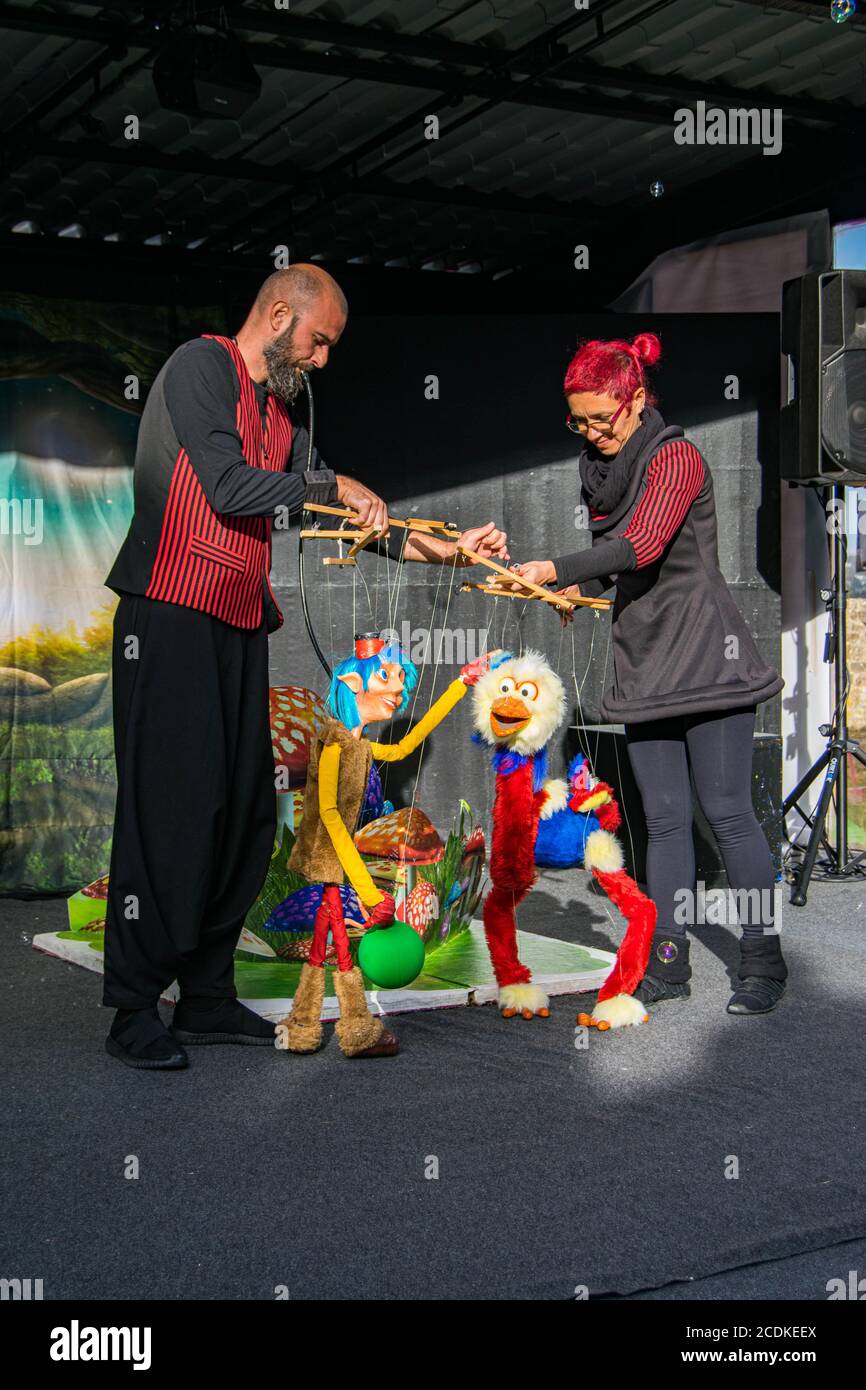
[[73, 379]]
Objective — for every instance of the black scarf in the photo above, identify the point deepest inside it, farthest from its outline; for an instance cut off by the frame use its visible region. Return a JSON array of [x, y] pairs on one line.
[[606, 479]]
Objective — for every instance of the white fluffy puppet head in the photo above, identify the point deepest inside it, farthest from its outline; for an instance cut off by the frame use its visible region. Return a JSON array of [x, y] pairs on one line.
[[519, 704]]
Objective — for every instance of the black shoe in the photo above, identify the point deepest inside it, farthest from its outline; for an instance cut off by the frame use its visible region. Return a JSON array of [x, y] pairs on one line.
[[668, 970], [139, 1038], [652, 990], [761, 976], [757, 994], [221, 1021]]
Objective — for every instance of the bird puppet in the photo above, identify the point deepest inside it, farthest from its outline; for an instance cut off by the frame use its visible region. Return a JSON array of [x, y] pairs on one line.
[[517, 707]]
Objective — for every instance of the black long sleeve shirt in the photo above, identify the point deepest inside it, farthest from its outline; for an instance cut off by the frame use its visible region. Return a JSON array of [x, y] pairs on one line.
[[201, 396]]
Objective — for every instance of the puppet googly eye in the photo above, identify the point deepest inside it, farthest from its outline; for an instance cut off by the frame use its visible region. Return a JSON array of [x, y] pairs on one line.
[[528, 690], [506, 686]]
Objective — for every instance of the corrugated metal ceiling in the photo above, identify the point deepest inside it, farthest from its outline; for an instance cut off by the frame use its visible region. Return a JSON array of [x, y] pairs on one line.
[[549, 118]]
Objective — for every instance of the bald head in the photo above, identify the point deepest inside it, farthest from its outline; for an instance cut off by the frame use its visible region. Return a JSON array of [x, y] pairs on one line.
[[297, 317], [298, 286]]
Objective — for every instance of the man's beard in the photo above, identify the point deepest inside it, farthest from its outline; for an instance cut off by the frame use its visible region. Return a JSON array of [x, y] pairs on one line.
[[285, 376]]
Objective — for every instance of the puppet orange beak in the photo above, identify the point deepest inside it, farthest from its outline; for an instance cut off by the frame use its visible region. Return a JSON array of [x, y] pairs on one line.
[[509, 716]]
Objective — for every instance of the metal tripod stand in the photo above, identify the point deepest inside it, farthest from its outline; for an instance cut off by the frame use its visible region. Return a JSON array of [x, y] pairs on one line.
[[833, 761]]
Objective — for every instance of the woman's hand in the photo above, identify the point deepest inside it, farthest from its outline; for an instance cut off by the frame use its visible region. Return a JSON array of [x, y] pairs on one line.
[[535, 571], [487, 541], [571, 593]]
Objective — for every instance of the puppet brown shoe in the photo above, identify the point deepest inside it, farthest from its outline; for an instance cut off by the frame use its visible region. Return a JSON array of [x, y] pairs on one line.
[[301, 1030], [359, 1033]]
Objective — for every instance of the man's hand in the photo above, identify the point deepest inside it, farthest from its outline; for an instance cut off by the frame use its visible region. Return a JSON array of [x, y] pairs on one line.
[[474, 670], [487, 541], [370, 509]]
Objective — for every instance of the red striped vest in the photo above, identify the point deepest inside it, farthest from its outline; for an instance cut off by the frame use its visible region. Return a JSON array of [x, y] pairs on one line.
[[213, 562]]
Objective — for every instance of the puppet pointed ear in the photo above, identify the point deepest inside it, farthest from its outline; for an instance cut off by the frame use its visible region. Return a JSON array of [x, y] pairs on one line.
[[353, 681]]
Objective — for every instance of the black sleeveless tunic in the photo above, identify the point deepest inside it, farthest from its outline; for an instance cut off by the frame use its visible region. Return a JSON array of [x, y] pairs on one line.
[[680, 644]]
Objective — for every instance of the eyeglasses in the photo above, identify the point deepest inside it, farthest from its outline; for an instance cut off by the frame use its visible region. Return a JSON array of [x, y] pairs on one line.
[[579, 424]]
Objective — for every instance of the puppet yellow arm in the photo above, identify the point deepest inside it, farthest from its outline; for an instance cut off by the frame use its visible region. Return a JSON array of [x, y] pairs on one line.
[[353, 865], [393, 752]]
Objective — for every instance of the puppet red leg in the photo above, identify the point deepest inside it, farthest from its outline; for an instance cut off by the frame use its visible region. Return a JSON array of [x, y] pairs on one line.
[[301, 1030], [517, 994], [338, 929], [616, 1007], [639, 912], [500, 928], [321, 926]]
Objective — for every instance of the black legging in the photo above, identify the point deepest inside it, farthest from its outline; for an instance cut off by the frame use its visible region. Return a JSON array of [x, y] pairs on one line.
[[718, 746]]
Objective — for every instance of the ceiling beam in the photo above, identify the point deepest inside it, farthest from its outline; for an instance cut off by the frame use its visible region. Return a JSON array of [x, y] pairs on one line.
[[722, 94], [288, 176], [469, 57]]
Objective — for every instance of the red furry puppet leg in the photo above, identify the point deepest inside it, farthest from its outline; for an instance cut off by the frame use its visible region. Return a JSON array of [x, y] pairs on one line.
[[500, 928], [512, 872], [616, 1008], [517, 994]]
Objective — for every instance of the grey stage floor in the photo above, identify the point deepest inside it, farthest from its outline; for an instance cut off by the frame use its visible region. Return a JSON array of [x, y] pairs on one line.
[[558, 1169]]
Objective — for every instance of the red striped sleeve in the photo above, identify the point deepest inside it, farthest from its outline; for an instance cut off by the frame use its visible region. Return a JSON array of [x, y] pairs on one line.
[[674, 478]]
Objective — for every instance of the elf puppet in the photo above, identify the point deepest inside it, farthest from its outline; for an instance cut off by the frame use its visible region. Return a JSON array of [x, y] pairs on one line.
[[368, 688]]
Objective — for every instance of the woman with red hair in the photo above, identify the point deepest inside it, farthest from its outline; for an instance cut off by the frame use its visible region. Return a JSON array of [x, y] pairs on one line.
[[688, 676]]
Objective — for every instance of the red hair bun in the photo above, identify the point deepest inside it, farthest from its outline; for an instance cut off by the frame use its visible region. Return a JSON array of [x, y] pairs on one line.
[[648, 348]]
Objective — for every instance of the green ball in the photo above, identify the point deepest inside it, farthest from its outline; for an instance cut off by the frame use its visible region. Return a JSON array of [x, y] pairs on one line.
[[391, 957]]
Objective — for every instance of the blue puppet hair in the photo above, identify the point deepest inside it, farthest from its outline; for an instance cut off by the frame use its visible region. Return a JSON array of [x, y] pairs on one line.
[[341, 698]]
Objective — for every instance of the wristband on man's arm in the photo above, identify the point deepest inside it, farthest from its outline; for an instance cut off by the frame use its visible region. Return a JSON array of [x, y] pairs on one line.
[[321, 485]]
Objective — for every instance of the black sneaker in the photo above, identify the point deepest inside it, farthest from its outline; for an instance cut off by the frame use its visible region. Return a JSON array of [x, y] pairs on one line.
[[224, 1021], [757, 994], [652, 990], [139, 1038]]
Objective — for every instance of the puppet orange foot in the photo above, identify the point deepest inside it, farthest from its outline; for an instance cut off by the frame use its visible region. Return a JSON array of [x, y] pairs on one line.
[[619, 1011], [587, 1021], [530, 1001]]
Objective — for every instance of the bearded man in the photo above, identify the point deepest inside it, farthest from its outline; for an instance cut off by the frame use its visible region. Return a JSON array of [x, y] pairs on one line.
[[219, 455]]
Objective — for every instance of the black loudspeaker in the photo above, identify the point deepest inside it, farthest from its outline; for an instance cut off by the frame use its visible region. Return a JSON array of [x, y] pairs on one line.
[[823, 424], [206, 75]]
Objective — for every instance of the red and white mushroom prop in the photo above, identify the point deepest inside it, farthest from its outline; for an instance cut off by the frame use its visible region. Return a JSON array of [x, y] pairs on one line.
[[406, 835], [422, 905], [294, 713]]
